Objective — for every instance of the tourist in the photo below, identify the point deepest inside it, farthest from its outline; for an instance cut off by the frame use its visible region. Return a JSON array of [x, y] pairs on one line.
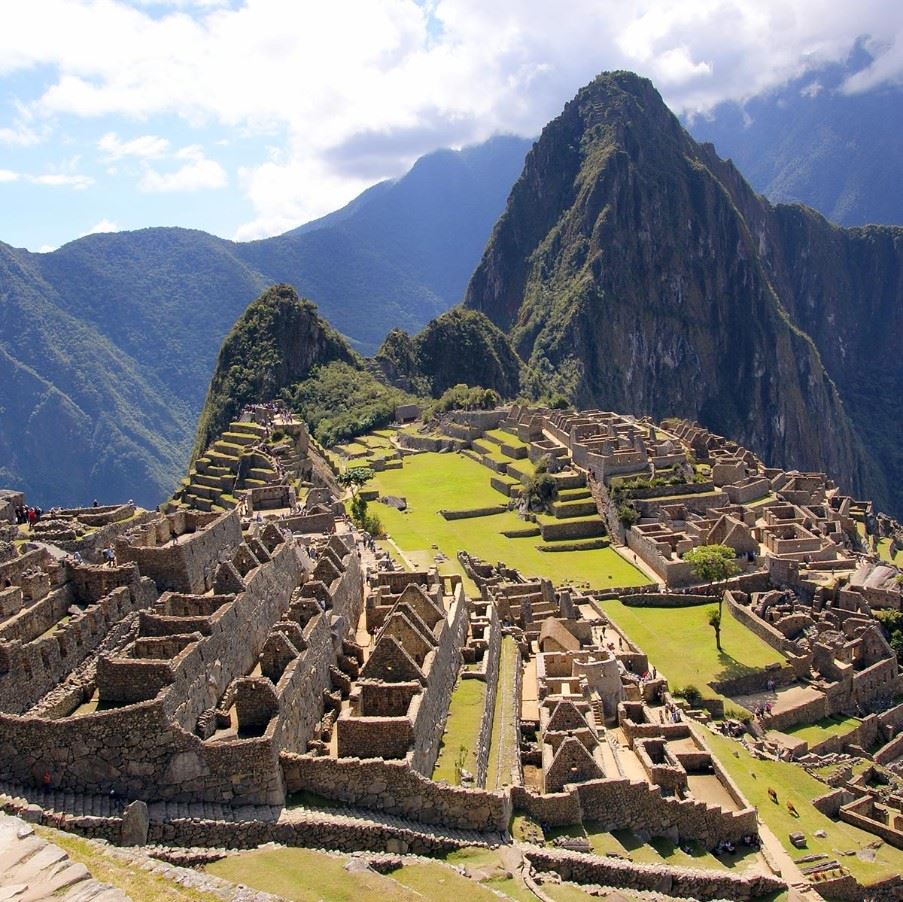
[[95, 504]]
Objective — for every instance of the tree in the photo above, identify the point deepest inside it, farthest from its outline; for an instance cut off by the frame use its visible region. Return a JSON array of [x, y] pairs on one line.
[[715, 624], [628, 515], [713, 563], [355, 477], [539, 492]]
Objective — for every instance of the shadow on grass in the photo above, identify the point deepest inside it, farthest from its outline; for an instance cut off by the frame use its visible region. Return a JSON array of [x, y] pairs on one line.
[[732, 668]]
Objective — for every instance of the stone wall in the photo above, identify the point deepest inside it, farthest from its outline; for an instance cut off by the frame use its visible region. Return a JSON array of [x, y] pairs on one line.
[[671, 881], [309, 523], [188, 565], [624, 804], [491, 671], [431, 713], [30, 670], [395, 788], [473, 512], [150, 750]]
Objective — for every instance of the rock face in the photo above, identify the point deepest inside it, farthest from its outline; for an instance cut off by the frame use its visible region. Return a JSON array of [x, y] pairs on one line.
[[645, 273]]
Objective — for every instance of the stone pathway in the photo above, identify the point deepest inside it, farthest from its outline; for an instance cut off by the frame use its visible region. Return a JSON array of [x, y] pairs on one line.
[[32, 869]]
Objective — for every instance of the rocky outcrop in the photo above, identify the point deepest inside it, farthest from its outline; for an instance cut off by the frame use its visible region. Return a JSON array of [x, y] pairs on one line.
[[644, 274]]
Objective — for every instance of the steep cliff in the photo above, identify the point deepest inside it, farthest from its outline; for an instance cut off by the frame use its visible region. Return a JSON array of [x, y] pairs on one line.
[[639, 266]]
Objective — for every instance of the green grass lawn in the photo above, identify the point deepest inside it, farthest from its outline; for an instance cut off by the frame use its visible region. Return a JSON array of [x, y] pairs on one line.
[[303, 875], [681, 644], [791, 783], [433, 482], [462, 731], [506, 437], [503, 750], [813, 733], [436, 881], [884, 552]]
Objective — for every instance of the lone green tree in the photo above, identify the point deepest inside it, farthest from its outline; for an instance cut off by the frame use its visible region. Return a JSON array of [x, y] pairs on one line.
[[715, 624], [713, 563], [354, 478]]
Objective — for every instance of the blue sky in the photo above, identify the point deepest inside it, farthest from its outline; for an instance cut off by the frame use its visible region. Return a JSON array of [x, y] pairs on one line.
[[246, 118]]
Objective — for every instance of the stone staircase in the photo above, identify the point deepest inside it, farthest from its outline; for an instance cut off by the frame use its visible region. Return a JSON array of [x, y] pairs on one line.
[[231, 463]]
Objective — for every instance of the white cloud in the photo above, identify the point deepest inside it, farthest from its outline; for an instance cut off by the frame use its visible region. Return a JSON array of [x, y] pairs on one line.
[[19, 135], [46, 249], [7, 175], [196, 175], [62, 180], [145, 146], [105, 225], [354, 90]]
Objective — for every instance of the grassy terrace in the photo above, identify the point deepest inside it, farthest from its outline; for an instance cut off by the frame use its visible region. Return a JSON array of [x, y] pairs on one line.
[[462, 731], [681, 644], [813, 733], [139, 885], [304, 875], [792, 783], [433, 482]]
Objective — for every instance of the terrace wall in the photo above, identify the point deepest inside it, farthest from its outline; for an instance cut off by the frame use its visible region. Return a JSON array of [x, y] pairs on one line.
[[670, 881], [624, 804], [188, 565], [395, 788]]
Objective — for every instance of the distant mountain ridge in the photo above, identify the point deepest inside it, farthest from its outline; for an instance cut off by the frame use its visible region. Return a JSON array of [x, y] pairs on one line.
[[810, 142], [107, 344]]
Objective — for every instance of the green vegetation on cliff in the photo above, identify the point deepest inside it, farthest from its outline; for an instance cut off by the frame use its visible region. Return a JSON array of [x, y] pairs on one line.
[[339, 401], [274, 345], [640, 271]]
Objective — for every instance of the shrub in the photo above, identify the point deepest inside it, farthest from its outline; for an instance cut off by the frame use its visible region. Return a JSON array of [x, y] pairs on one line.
[[628, 515], [539, 492], [690, 693], [466, 397], [340, 402]]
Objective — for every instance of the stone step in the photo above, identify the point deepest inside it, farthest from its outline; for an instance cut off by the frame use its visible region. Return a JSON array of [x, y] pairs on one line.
[[226, 449], [566, 510], [240, 438], [254, 429], [208, 480]]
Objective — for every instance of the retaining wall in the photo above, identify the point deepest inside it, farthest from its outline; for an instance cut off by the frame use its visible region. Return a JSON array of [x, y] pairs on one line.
[[671, 881], [395, 788]]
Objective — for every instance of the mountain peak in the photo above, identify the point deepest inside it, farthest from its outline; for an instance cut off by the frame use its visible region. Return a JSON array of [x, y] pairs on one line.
[[646, 272]]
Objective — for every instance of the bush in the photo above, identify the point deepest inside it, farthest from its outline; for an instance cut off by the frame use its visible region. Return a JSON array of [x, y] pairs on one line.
[[467, 397], [690, 693], [539, 492], [628, 515], [340, 402]]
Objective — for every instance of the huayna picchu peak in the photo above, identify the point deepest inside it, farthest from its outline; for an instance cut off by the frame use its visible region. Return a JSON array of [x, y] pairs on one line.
[[645, 271]]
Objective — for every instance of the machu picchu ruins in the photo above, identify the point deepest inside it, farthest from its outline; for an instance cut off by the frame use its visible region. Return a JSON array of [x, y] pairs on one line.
[[250, 665]]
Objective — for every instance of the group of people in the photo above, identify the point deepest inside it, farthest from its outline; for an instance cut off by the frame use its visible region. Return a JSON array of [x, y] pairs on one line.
[[670, 714], [28, 515]]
